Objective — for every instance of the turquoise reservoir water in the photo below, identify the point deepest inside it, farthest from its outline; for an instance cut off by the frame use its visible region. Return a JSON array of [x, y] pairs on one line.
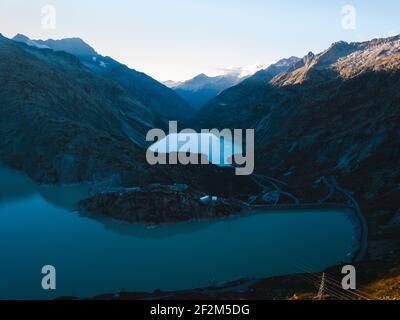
[[38, 227]]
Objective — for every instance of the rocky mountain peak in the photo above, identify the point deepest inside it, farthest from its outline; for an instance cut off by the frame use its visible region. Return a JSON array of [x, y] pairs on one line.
[[287, 62], [345, 60], [24, 39], [75, 46], [21, 38]]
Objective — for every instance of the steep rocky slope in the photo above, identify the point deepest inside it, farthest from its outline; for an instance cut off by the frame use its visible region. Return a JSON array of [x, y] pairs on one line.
[[62, 123], [344, 60]]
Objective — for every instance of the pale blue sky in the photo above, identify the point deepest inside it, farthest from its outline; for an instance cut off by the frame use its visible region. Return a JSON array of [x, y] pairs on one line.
[[177, 39]]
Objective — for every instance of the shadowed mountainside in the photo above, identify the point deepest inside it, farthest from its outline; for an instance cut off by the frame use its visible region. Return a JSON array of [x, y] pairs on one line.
[[334, 114], [149, 92], [331, 111], [62, 123]]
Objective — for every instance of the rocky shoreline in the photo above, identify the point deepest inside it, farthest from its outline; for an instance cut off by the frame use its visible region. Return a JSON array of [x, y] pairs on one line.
[[156, 204]]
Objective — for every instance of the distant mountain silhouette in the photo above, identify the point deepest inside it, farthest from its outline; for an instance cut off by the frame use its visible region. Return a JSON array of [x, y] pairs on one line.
[[202, 88], [171, 83]]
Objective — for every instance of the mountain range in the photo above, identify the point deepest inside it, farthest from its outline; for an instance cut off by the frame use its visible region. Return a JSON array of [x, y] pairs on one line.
[[316, 108], [202, 88], [324, 124]]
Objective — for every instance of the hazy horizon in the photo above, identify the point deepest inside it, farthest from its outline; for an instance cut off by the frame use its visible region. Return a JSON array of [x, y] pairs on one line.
[[177, 41]]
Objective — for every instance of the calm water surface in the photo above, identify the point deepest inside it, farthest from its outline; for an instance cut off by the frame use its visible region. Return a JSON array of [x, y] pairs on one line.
[[39, 227]]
